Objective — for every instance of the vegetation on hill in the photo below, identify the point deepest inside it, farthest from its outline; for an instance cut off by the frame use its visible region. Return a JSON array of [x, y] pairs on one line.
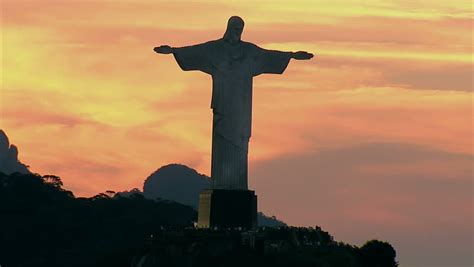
[[183, 184], [43, 224]]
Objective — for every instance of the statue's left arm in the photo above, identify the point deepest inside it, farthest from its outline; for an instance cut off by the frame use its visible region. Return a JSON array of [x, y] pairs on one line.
[[273, 61]]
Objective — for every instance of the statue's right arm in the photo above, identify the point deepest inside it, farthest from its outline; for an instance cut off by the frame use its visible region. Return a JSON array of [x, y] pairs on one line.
[[164, 49], [193, 57]]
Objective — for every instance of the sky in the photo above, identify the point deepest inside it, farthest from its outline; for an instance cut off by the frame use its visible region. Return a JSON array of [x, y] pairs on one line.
[[372, 138]]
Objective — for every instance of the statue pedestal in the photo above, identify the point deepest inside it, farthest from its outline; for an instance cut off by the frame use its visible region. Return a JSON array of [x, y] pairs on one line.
[[227, 209]]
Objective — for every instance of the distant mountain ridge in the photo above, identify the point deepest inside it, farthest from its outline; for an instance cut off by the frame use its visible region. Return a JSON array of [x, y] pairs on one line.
[[175, 182], [9, 162], [183, 184], [45, 225]]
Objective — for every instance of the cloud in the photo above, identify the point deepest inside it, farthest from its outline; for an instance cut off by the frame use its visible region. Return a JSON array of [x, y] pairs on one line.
[[117, 13], [34, 117], [444, 32], [289, 121], [448, 77], [421, 195]]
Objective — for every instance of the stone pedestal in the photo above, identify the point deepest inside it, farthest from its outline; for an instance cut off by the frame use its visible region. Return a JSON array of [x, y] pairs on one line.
[[227, 209]]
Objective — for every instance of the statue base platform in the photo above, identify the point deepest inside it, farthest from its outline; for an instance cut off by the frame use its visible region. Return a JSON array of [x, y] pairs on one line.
[[223, 208]]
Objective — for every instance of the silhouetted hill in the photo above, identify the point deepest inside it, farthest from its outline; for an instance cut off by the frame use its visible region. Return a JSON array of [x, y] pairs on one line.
[[182, 184], [44, 225], [176, 182], [9, 162]]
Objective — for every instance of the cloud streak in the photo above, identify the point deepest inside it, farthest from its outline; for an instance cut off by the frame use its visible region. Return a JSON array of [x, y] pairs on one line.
[[393, 191]]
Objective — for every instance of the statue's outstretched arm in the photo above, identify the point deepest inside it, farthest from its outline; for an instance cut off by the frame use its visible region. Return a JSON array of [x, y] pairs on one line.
[[301, 55], [164, 49], [193, 57]]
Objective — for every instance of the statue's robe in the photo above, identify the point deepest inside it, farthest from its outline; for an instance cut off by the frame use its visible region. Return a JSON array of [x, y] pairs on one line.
[[232, 67]]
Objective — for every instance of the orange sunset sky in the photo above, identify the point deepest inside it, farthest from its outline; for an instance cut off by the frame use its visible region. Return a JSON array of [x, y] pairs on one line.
[[372, 138]]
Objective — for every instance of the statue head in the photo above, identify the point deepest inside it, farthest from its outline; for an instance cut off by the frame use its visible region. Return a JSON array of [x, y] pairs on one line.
[[235, 27]]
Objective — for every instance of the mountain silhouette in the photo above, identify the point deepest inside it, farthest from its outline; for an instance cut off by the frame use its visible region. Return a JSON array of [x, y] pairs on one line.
[[183, 184], [176, 182], [46, 225], [9, 162]]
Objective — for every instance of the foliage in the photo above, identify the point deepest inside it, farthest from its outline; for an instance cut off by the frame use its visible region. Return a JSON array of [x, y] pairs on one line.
[[44, 225], [376, 253]]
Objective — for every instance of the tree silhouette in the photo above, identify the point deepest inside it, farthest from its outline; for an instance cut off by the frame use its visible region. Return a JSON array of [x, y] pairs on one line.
[[377, 253], [43, 224], [53, 180]]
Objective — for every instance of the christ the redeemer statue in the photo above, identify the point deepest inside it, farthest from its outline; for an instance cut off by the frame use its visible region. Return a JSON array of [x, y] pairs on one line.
[[232, 63]]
